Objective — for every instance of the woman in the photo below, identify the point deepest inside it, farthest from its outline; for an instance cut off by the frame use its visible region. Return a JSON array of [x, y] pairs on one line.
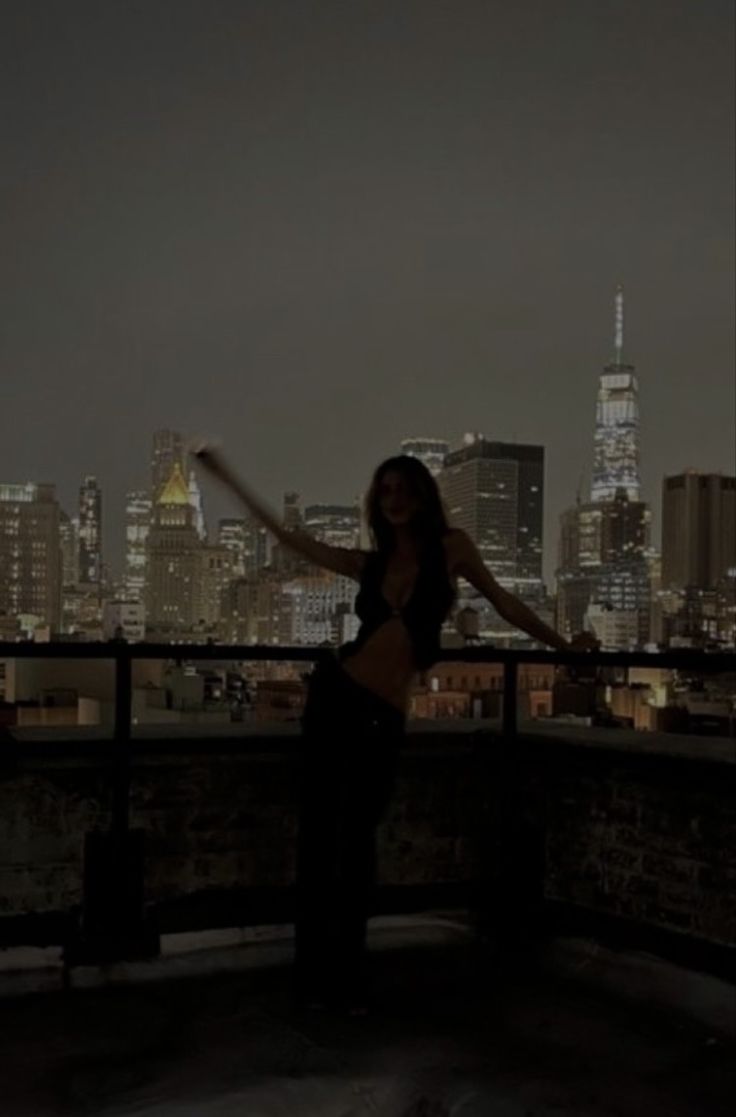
[[355, 714]]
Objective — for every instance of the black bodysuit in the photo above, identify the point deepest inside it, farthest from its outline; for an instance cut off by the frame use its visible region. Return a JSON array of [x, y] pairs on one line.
[[424, 612]]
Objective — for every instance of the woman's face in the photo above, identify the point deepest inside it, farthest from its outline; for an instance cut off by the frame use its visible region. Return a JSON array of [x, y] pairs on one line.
[[395, 498]]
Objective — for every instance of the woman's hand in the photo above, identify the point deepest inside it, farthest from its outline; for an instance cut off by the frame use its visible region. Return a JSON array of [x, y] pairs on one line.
[[341, 560], [210, 458], [581, 642], [584, 642], [207, 455]]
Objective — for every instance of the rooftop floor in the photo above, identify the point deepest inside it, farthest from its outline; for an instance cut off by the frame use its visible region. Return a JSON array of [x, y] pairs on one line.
[[570, 1030]]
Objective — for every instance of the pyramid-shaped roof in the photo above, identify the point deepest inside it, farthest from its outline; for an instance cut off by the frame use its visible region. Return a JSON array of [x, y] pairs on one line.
[[176, 490]]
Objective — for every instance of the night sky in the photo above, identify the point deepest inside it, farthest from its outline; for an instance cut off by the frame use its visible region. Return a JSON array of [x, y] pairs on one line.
[[312, 229]]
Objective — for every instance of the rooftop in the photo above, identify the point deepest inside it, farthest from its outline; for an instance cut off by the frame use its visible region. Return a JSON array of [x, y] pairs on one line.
[[175, 491], [456, 1032]]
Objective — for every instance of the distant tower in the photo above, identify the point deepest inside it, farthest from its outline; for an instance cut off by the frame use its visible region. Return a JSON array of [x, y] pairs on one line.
[[90, 532], [698, 530], [138, 512], [616, 456], [167, 452], [30, 554], [195, 499], [495, 492], [604, 543], [172, 559], [69, 542], [292, 510]]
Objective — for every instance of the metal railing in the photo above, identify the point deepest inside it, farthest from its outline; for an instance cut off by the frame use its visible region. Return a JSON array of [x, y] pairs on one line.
[[117, 927], [124, 655]]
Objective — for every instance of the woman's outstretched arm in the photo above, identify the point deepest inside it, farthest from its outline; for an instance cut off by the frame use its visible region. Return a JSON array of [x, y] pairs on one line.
[[468, 563], [341, 560]]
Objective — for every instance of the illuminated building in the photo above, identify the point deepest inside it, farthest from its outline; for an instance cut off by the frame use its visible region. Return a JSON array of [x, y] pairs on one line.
[[167, 452], [214, 574], [495, 492], [123, 619], [248, 543], [30, 557], [335, 524], [699, 559], [69, 542], [604, 551], [90, 533], [616, 451], [235, 534], [698, 530], [195, 499], [430, 451], [173, 561], [604, 560], [138, 509], [315, 606]]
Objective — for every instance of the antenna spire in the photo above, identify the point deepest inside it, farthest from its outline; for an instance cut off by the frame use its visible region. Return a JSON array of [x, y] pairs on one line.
[[619, 342]]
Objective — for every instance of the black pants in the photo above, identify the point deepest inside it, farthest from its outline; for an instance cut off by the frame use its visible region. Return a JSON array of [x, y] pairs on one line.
[[350, 745]]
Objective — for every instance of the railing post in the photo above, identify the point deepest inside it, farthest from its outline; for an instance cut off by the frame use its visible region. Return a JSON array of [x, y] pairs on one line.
[[507, 807], [520, 847], [114, 924], [510, 849], [495, 900], [121, 778], [510, 692]]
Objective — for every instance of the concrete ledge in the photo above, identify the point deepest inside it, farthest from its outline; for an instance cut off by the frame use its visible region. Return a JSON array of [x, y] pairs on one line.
[[187, 738], [632, 976], [645, 979], [26, 970]]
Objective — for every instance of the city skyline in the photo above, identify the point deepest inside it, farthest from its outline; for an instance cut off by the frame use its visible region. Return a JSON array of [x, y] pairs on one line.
[[181, 580], [159, 470], [114, 559], [317, 237]]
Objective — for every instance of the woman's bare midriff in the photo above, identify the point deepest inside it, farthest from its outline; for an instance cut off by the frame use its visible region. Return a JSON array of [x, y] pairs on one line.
[[385, 663]]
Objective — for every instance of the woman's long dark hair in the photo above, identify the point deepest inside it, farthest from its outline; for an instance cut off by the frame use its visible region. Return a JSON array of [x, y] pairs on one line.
[[429, 522]]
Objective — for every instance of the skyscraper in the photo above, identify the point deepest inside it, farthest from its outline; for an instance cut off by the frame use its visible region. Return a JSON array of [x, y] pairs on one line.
[[173, 560], [616, 452], [698, 529], [138, 510], [495, 492], [698, 594], [593, 535], [430, 451], [214, 575], [234, 533], [292, 511], [287, 562], [168, 451], [195, 499], [90, 533], [30, 554], [315, 607], [69, 542], [604, 559], [604, 542]]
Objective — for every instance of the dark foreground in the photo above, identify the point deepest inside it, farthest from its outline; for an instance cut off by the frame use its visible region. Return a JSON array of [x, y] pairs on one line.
[[455, 1034]]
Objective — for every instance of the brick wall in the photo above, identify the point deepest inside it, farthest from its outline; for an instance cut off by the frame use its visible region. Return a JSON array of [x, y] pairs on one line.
[[650, 839], [645, 837]]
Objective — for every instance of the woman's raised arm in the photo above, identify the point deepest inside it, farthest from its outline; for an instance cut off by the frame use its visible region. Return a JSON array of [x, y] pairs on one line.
[[341, 560]]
